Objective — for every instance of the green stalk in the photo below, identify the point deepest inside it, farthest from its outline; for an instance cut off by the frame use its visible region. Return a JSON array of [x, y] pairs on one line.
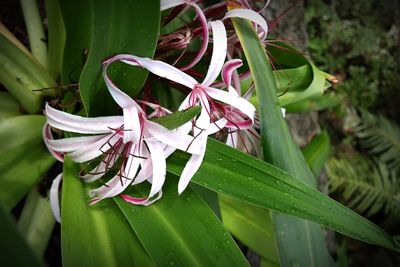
[[56, 32], [36, 222], [34, 26], [22, 76]]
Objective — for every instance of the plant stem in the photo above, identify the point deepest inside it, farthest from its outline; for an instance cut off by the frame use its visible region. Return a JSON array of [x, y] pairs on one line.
[[36, 222], [34, 26]]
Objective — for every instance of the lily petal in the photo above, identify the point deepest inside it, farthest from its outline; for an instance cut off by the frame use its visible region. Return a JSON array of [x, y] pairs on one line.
[[159, 166], [141, 201], [77, 124], [54, 198], [219, 52], [122, 99], [131, 125], [47, 138], [73, 143], [228, 69], [117, 184], [192, 166], [166, 4], [249, 15], [234, 100], [93, 150], [156, 67], [217, 126], [174, 139]]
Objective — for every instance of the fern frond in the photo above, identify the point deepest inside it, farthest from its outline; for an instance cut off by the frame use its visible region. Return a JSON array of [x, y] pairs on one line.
[[365, 185], [380, 137]]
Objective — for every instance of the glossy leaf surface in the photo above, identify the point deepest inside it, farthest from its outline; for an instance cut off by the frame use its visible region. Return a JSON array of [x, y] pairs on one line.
[[107, 28], [182, 230], [95, 235], [20, 170], [240, 176]]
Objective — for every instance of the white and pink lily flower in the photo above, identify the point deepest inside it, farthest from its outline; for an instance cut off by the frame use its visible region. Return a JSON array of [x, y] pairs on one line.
[[132, 137], [210, 119]]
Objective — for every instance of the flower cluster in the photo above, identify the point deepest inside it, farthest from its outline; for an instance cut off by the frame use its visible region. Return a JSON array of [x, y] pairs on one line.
[[132, 146]]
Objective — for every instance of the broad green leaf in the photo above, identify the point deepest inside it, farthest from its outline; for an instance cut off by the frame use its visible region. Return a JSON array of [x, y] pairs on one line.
[[241, 176], [317, 152], [14, 249], [252, 226], [24, 159], [110, 28], [96, 235], [15, 139], [182, 230], [27, 169], [56, 37], [6, 33], [300, 242], [77, 17], [9, 107], [21, 76], [178, 118]]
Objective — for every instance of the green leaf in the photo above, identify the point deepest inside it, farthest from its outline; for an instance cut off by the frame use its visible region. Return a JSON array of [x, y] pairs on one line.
[[9, 107], [111, 28], [296, 78], [182, 231], [252, 226], [94, 235], [299, 241], [77, 17], [178, 118], [14, 249], [21, 76], [56, 37], [240, 176], [317, 152], [19, 170], [315, 103], [36, 222]]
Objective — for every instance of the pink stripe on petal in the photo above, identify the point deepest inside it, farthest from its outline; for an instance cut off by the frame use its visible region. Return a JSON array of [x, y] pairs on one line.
[[205, 37], [240, 125], [228, 69], [133, 200], [141, 201], [48, 137]]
